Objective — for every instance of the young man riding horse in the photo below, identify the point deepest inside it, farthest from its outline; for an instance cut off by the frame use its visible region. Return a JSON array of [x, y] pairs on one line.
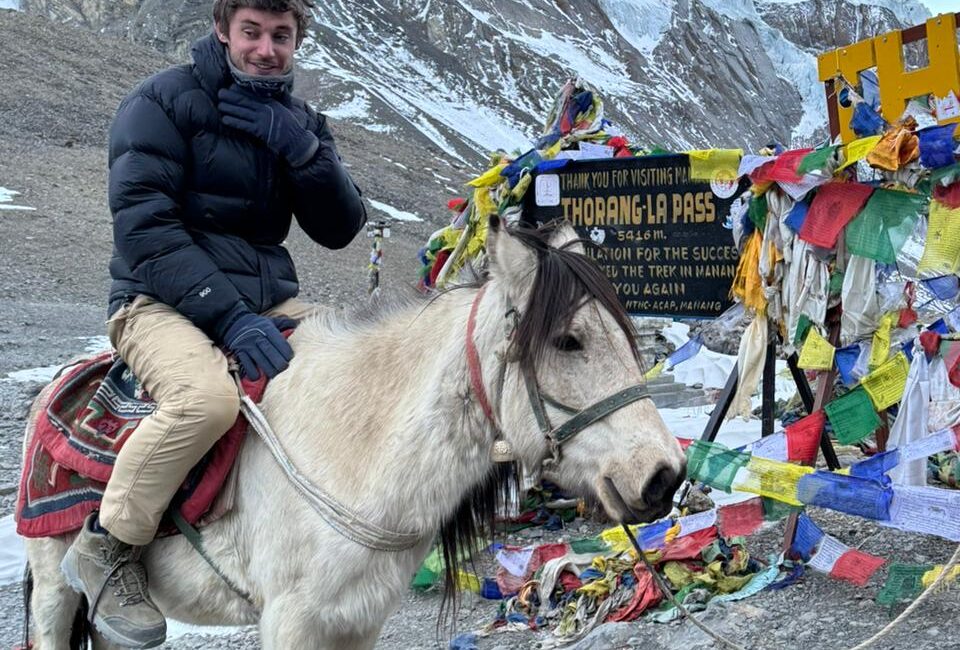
[[208, 164]]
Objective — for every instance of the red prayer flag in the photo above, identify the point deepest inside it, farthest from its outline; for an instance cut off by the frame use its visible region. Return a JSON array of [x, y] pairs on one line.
[[645, 595], [956, 435], [685, 442], [832, 209], [803, 438], [856, 567], [741, 518], [762, 173], [784, 169], [947, 195], [950, 352], [689, 546]]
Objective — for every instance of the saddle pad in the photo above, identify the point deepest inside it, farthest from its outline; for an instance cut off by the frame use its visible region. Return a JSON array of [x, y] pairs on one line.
[[86, 416]]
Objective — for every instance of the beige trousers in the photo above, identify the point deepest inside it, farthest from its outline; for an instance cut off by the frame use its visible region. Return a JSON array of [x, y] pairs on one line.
[[197, 402]]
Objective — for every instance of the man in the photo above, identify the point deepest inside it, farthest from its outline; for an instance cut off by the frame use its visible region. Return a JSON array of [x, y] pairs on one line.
[[208, 164]]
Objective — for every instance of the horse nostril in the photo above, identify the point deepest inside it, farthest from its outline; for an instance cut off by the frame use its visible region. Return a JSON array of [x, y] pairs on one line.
[[662, 486]]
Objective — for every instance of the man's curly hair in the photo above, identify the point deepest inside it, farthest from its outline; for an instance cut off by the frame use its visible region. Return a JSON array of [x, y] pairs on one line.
[[223, 11]]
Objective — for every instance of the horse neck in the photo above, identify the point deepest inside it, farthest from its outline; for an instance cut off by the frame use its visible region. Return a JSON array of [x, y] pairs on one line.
[[403, 437]]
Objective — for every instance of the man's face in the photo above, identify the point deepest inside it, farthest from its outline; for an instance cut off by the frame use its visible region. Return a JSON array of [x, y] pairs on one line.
[[261, 42]]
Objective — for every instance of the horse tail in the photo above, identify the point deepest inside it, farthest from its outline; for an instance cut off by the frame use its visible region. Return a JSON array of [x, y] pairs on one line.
[[80, 631], [27, 596]]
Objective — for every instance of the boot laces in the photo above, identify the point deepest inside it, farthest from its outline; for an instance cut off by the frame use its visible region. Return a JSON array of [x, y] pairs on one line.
[[126, 574]]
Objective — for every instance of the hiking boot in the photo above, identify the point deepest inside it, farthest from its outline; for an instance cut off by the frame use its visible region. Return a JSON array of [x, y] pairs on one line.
[[109, 573]]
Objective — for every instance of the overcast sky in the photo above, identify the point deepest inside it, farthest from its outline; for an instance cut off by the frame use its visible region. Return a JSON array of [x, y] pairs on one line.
[[941, 6]]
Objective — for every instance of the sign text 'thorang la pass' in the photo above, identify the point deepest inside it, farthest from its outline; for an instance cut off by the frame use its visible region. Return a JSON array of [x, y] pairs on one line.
[[663, 243]]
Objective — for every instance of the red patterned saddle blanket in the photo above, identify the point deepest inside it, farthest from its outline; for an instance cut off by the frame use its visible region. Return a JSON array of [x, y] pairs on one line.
[[86, 415]]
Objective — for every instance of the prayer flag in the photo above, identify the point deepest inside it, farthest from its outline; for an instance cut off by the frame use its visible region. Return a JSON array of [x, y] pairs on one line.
[[490, 177], [880, 348], [850, 494], [937, 145], [803, 438], [773, 447], [846, 359], [742, 518], [897, 147], [876, 467], [868, 234], [797, 215], [923, 509], [817, 159], [715, 164], [817, 353], [772, 479], [931, 576], [834, 205], [852, 416], [828, 552], [946, 287], [941, 255], [903, 584], [750, 162], [858, 150], [806, 537], [949, 195], [885, 384], [866, 121], [784, 169], [943, 440], [686, 351], [757, 211], [856, 567], [714, 464]]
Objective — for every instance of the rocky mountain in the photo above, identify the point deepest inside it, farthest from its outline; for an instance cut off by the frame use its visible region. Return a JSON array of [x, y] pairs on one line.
[[460, 77]]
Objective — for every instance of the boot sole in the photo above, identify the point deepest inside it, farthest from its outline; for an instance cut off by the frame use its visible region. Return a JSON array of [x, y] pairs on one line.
[[111, 635]]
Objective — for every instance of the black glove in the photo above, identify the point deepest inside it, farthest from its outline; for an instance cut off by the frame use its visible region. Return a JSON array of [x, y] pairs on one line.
[[270, 122], [258, 345]]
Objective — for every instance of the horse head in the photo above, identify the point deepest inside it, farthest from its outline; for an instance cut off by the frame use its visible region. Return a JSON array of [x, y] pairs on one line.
[[573, 400]]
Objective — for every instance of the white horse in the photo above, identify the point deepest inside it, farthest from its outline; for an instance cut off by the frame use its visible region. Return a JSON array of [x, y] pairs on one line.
[[381, 412]]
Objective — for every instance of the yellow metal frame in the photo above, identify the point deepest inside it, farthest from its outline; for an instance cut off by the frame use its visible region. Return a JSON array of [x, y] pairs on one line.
[[897, 85]]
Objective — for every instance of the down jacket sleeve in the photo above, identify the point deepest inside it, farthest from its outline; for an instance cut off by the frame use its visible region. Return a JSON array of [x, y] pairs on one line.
[[326, 202], [147, 156]]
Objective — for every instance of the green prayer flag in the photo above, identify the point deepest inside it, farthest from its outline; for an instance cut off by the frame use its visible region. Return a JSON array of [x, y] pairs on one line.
[[836, 282], [591, 545], [852, 416], [904, 583], [803, 326], [884, 224], [758, 211], [948, 172], [774, 510], [816, 160], [714, 464]]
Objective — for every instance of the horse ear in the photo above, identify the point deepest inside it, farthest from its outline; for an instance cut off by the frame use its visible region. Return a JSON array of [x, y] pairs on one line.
[[510, 261]]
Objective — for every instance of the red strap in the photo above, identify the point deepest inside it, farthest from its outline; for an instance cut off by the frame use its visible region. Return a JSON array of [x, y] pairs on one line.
[[473, 362]]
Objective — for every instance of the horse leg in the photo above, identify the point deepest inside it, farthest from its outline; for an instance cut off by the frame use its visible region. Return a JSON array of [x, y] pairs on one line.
[[290, 621], [54, 604]]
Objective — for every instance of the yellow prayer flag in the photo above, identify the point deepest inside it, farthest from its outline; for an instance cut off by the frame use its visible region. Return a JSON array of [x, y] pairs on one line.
[[655, 372], [858, 150], [817, 353], [933, 573], [771, 478], [880, 350], [490, 177], [885, 385], [715, 164], [941, 253]]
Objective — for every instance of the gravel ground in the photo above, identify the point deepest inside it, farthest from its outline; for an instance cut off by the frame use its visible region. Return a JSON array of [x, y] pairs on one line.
[[60, 87]]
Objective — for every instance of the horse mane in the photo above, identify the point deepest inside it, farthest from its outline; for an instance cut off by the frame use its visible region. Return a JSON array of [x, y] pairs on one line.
[[565, 280]]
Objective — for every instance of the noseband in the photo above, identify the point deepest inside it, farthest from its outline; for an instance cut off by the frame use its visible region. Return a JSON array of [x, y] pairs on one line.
[[557, 436]]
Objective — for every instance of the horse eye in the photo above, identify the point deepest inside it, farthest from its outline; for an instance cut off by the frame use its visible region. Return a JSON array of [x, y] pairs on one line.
[[567, 343]]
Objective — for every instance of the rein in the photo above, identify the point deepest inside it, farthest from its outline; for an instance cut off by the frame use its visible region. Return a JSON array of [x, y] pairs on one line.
[[556, 437]]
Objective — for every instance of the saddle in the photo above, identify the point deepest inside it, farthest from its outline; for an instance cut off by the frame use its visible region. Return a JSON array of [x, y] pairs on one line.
[[78, 427]]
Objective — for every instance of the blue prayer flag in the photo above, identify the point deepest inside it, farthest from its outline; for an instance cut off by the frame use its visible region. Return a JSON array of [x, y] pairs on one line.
[[686, 351], [866, 121], [937, 145], [850, 494], [797, 216], [846, 359], [876, 466], [653, 536], [939, 326], [550, 165], [946, 287], [806, 537]]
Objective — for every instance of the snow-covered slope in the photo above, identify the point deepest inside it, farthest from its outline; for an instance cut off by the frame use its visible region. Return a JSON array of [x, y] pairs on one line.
[[467, 76]]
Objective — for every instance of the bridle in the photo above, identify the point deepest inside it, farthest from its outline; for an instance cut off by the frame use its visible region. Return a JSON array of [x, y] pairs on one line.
[[557, 436]]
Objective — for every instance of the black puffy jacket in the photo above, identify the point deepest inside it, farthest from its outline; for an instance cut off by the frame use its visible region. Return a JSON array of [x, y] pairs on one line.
[[200, 210]]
